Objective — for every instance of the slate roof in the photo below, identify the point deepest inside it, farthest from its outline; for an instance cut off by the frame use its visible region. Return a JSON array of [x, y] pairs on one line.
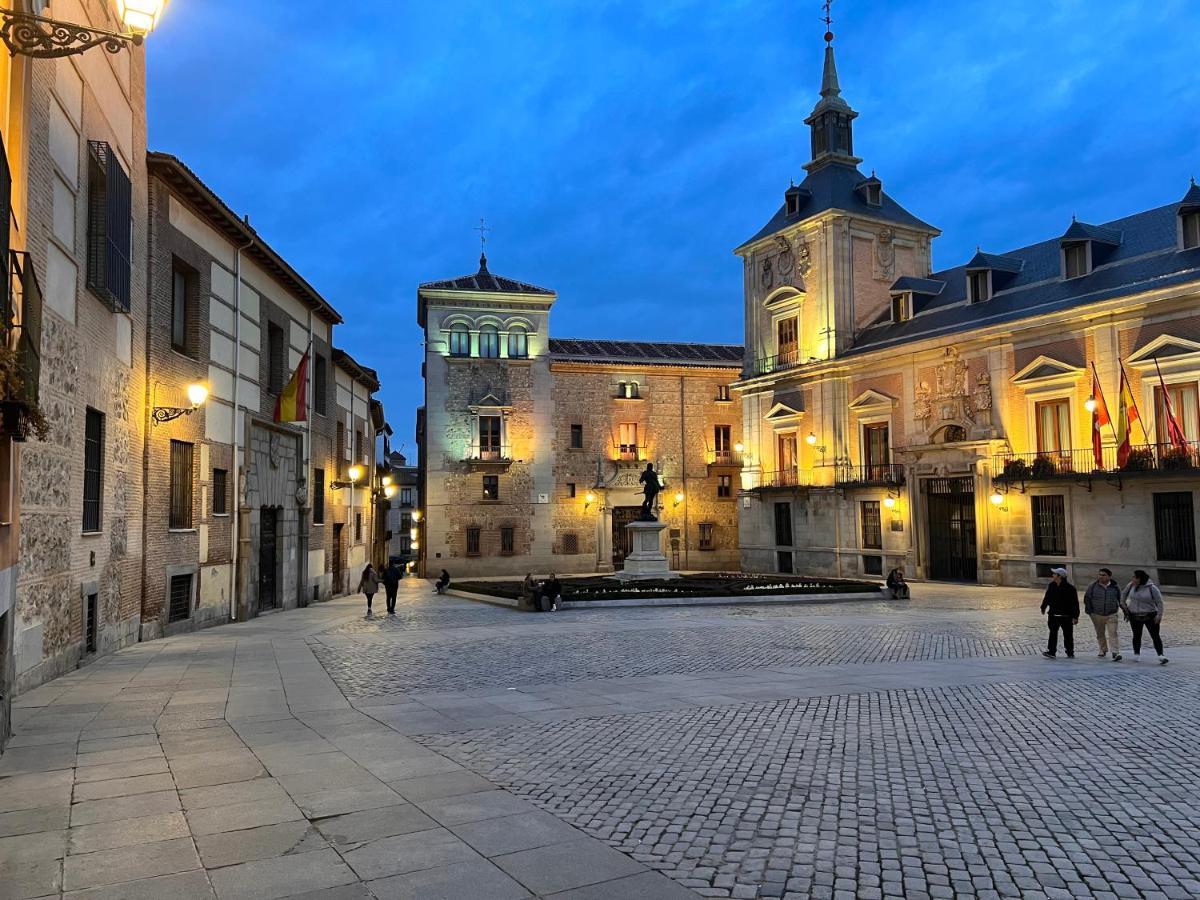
[[367, 376], [485, 282], [646, 353], [995, 262], [833, 186], [1146, 258]]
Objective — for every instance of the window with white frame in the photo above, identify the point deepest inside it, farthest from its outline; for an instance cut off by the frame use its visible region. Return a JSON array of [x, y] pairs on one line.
[[979, 286], [518, 343], [460, 341], [1191, 230], [489, 342], [627, 443], [1075, 259]]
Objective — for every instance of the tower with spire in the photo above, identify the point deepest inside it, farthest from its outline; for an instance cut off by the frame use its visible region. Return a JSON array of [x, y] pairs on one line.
[[832, 120]]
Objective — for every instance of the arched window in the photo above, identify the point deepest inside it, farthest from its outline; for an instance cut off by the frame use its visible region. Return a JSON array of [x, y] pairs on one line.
[[460, 341], [489, 342], [518, 343]]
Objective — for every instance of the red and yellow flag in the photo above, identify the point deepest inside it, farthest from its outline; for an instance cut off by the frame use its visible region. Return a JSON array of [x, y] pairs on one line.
[[1100, 418], [292, 405], [1126, 416]]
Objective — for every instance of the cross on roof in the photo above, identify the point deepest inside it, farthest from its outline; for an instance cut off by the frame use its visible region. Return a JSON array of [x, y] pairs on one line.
[[483, 230]]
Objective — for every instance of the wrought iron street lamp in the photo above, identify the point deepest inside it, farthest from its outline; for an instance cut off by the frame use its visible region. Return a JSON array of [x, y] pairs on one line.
[[197, 393], [28, 34]]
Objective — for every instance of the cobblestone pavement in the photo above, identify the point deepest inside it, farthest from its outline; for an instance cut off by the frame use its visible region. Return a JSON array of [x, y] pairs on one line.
[[847, 749]]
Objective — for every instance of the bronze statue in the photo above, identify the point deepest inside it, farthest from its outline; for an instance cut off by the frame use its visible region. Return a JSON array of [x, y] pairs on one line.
[[651, 485]]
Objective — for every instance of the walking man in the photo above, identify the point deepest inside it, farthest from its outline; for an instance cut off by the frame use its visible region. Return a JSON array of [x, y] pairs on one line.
[[391, 584], [1102, 602], [1062, 601]]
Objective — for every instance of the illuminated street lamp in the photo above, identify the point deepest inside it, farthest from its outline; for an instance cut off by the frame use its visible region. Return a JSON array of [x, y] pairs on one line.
[[1090, 404], [678, 498], [45, 38], [389, 491], [354, 473]]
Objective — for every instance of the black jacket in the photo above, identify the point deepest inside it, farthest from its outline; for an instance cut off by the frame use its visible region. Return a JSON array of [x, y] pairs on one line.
[[1062, 600], [391, 577]]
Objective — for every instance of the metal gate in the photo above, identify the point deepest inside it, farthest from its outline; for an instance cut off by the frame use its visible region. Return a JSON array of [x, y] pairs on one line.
[[337, 560], [951, 503], [622, 538], [267, 537]]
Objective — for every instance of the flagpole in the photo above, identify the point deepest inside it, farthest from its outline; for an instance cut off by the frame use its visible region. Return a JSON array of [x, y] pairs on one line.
[[1103, 400], [1133, 400]]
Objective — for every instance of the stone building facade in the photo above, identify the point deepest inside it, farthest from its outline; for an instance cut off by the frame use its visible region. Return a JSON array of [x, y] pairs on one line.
[[238, 504], [897, 416], [79, 588], [404, 511], [534, 446]]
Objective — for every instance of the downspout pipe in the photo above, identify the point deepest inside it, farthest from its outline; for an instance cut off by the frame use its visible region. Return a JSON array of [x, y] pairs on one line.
[[237, 380]]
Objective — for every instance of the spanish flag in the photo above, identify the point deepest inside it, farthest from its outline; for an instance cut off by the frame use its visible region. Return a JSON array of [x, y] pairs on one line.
[[1100, 418], [292, 405], [1127, 414]]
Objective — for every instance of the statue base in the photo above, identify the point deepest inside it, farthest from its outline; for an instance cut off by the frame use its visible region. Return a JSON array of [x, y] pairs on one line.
[[647, 561]]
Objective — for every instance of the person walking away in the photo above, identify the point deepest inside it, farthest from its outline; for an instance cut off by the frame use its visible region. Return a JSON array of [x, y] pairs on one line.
[[897, 585], [369, 584], [391, 585], [1062, 602], [1102, 602], [442, 583], [1142, 602]]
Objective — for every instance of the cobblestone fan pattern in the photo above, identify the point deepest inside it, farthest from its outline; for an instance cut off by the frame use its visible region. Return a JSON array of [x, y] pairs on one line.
[[533, 657], [1040, 790]]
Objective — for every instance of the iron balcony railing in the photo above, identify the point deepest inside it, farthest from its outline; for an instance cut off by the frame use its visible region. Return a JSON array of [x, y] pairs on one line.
[[629, 453], [26, 296], [724, 458], [1075, 463], [765, 365], [875, 474], [785, 478], [490, 453]]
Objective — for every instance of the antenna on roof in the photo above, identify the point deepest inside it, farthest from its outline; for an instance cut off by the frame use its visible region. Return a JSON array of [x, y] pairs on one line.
[[828, 20]]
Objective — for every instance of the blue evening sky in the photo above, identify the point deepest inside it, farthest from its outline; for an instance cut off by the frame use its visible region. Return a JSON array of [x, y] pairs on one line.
[[621, 148]]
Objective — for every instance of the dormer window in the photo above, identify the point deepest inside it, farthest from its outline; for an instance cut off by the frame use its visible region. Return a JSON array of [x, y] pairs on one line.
[[1191, 230], [871, 191], [901, 308], [979, 286], [792, 203], [1075, 259]]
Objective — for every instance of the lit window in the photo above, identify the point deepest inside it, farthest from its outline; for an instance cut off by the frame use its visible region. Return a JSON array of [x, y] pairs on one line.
[[629, 441], [491, 487], [722, 392], [900, 308]]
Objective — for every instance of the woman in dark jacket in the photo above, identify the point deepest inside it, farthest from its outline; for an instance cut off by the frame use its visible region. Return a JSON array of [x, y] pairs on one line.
[[897, 584], [1062, 601]]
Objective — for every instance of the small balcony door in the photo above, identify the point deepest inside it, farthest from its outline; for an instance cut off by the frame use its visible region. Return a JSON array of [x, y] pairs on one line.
[[628, 441], [877, 451], [1053, 419], [489, 437]]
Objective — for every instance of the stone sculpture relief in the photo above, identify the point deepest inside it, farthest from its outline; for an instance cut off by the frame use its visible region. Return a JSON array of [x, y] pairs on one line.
[[885, 255], [983, 392]]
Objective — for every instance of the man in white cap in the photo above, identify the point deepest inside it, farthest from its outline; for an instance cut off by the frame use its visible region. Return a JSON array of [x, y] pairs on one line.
[[1062, 601]]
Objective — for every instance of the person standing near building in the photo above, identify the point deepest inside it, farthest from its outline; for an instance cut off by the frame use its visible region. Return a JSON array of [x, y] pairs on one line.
[[391, 584], [1102, 602], [1142, 602], [369, 584], [1062, 602]]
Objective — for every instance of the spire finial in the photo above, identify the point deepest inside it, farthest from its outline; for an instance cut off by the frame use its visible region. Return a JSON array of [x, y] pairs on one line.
[[828, 20], [483, 230]]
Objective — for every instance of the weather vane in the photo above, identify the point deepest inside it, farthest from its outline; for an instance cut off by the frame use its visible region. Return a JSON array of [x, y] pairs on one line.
[[828, 20], [483, 230]]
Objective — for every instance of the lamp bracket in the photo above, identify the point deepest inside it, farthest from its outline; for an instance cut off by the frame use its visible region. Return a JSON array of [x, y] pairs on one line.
[[44, 38], [164, 414]]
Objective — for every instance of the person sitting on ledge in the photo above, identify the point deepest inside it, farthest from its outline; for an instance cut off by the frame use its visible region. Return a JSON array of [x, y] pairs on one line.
[[442, 583], [897, 585]]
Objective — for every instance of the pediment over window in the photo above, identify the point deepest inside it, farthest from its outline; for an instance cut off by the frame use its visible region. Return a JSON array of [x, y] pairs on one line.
[[1171, 353], [1046, 370], [872, 401], [784, 297], [788, 406], [490, 400]]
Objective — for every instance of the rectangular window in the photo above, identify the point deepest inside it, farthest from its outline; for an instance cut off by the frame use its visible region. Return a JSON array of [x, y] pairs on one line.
[[472, 542], [359, 455], [786, 334], [872, 565], [220, 491], [783, 562], [724, 486], [358, 528], [977, 286], [491, 487], [569, 543], [109, 227], [877, 453], [93, 469], [1184, 405], [318, 497], [722, 446], [406, 497], [1049, 525], [276, 358], [460, 341], [783, 525], [181, 485], [489, 437], [1053, 426], [722, 392], [1191, 230], [180, 309], [320, 385], [576, 437], [570, 489], [872, 529], [628, 445], [707, 536], [1174, 526], [180, 605], [341, 449], [899, 308], [91, 622], [785, 452], [507, 541], [1075, 260]]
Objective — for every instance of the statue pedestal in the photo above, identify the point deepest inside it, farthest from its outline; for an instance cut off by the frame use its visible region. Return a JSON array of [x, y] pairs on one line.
[[647, 560]]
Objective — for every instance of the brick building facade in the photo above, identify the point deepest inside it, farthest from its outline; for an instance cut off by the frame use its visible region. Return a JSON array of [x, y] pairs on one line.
[[897, 416], [534, 446]]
